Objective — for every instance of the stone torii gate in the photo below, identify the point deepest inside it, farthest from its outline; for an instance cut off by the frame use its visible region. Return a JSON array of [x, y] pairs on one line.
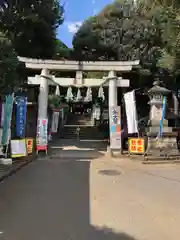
[[45, 79]]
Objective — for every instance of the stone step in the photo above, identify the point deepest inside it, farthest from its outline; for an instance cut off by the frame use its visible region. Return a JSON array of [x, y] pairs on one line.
[[85, 133]]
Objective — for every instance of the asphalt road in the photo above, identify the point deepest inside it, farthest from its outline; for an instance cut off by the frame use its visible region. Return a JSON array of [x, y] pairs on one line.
[[50, 200], [90, 197]]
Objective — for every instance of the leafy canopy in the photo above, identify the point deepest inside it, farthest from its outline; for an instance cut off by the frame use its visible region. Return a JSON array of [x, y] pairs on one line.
[[9, 66], [31, 26], [127, 31]]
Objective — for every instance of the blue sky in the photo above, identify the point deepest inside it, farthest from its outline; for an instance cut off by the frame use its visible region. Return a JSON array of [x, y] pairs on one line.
[[76, 11]]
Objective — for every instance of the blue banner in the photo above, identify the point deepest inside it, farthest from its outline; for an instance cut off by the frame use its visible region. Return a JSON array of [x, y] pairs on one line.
[[8, 107], [163, 116], [21, 109]]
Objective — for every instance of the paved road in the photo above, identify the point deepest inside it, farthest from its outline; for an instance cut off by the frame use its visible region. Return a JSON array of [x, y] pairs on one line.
[[54, 199]]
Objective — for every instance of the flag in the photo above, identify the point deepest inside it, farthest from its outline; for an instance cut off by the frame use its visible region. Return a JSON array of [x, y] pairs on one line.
[[131, 114]]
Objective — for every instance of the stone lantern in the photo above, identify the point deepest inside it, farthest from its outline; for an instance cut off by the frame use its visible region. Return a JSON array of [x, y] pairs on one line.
[[166, 145], [156, 95]]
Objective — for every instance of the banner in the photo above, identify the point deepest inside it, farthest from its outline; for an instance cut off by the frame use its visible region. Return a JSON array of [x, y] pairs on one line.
[[115, 127], [136, 145], [55, 121], [29, 145], [163, 116], [2, 114], [131, 114], [42, 134], [21, 109], [18, 148], [8, 107]]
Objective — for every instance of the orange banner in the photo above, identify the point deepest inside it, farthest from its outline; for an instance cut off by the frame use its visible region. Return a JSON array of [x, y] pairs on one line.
[[136, 145], [29, 145]]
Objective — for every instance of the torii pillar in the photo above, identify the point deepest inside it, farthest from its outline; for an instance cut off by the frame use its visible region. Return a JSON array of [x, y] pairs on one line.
[[112, 78], [115, 137], [43, 94]]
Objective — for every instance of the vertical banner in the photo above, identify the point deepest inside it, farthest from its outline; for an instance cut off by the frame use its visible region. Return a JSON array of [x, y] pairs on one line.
[[163, 116], [2, 114], [42, 135], [115, 127], [29, 145], [8, 107], [21, 110], [131, 114], [1, 106], [55, 121]]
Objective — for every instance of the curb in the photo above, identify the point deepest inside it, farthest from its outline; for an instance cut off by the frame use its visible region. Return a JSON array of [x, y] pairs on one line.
[[12, 170], [146, 162]]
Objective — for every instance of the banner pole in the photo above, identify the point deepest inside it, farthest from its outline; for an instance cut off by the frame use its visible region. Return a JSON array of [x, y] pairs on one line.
[[9, 128]]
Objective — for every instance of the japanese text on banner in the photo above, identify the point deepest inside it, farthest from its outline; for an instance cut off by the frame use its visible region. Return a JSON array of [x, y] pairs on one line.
[[136, 145], [42, 134], [21, 109]]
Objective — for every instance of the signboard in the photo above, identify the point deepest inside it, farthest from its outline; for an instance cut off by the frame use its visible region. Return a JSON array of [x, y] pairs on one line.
[[8, 107], [21, 109], [29, 145], [18, 148], [115, 127], [55, 121], [136, 145], [42, 135]]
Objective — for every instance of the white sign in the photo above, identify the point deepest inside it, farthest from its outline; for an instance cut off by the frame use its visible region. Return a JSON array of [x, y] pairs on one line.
[[18, 148], [131, 113], [55, 122]]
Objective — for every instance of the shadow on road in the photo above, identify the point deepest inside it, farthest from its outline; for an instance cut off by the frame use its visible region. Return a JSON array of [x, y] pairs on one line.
[[51, 200]]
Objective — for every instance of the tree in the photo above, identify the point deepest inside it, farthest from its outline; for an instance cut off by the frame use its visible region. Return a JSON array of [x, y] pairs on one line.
[[31, 26], [119, 32], [62, 51], [9, 66], [126, 31]]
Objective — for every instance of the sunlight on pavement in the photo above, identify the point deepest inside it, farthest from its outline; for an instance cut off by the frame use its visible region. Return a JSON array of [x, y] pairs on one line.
[[138, 203]]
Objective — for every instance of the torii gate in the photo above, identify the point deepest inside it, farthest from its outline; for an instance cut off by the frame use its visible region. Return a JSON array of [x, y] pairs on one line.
[[45, 79]]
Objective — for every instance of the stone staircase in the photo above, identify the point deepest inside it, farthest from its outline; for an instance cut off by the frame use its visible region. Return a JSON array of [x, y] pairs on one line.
[[84, 124], [85, 133], [79, 120]]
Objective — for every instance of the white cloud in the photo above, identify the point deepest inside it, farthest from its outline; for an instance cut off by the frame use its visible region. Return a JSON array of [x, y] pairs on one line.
[[74, 26]]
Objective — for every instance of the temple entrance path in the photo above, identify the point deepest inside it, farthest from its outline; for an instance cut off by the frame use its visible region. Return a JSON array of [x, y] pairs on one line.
[[77, 149], [91, 198]]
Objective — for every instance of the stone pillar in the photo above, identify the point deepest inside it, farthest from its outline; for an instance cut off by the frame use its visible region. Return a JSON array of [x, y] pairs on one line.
[[115, 137], [79, 78], [43, 94], [112, 88]]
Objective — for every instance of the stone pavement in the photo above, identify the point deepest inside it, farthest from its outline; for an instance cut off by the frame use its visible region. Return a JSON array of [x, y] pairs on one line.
[[96, 198], [141, 200]]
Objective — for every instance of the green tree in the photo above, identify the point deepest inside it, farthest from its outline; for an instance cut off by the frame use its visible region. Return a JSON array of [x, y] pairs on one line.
[[9, 66], [119, 32], [62, 51], [31, 26], [126, 31]]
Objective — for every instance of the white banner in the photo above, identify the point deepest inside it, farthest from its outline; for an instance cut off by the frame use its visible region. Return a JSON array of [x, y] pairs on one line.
[[42, 134], [115, 127], [55, 122], [131, 114]]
